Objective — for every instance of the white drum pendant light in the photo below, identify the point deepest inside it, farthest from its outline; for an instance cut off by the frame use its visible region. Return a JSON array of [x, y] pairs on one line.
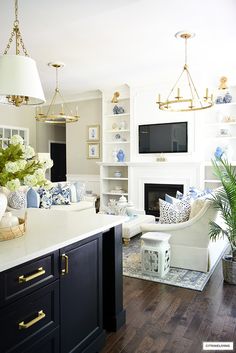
[[19, 79]]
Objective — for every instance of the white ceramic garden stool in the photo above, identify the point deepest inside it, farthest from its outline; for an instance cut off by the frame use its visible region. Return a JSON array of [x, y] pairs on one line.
[[155, 252]]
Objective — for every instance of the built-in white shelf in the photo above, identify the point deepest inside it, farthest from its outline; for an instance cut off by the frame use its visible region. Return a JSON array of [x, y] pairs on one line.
[[113, 164], [209, 163], [116, 115], [115, 193], [224, 105], [116, 142], [223, 137], [212, 181], [222, 123], [119, 100], [113, 178], [113, 126], [117, 131]]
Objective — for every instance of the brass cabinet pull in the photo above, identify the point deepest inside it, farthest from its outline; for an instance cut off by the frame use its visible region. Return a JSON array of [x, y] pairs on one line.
[[23, 278], [23, 326], [65, 270]]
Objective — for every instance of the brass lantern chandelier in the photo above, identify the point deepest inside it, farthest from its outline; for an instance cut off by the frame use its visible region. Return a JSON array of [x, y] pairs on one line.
[[19, 79], [175, 102], [57, 112]]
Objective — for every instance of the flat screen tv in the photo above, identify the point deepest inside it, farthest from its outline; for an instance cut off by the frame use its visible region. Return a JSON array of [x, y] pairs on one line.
[[163, 138]]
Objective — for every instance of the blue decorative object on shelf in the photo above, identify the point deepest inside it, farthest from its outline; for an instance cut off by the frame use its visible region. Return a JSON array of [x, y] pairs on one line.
[[121, 110], [219, 100], [218, 152], [115, 109], [118, 110], [227, 98], [120, 156]]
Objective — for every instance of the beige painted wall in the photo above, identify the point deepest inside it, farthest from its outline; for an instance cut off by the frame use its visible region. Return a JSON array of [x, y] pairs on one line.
[[20, 117], [90, 112], [46, 133]]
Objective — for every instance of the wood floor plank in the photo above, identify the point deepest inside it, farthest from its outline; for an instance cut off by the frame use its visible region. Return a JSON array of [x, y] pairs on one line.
[[168, 319]]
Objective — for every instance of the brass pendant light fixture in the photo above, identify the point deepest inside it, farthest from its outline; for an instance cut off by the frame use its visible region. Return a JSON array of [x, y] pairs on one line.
[[57, 112], [190, 101], [19, 79]]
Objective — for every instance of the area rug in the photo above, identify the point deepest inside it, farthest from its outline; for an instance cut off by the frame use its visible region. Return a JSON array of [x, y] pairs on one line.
[[175, 277]]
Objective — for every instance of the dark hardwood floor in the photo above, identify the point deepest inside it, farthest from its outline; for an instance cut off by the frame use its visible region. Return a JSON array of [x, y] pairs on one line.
[[167, 319]]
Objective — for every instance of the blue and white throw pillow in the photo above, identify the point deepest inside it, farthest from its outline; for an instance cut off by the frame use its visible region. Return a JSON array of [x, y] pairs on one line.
[[33, 198], [170, 199], [174, 213], [45, 198], [80, 190], [193, 194], [60, 195]]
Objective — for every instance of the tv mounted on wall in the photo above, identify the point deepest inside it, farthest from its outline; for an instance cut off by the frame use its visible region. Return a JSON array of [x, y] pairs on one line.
[[163, 138]]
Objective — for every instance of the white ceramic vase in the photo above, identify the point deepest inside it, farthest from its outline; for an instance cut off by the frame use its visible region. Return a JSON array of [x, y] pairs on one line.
[[3, 204]]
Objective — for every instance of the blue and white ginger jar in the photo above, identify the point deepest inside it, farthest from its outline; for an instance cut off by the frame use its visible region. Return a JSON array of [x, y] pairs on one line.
[[120, 156]]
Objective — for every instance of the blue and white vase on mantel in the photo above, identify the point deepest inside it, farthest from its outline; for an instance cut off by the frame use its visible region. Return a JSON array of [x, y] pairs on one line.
[[120, 156]]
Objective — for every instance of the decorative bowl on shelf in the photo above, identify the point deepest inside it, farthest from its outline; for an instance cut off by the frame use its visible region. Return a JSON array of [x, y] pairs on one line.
[[117, 174]]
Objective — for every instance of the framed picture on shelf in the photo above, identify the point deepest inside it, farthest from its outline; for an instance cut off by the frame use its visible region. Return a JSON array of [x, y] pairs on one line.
[[93, 151], [93, 133]]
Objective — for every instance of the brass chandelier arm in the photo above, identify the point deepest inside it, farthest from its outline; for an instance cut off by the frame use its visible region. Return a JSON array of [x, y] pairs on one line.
[[172, 89], [194, 87], [52, 102]]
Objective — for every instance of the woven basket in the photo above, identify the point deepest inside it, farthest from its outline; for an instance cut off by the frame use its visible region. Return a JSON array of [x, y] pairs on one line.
[[229, 269], [13, 232]]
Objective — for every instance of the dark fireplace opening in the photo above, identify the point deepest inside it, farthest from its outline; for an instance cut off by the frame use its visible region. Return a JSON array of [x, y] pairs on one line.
[[154, 192]]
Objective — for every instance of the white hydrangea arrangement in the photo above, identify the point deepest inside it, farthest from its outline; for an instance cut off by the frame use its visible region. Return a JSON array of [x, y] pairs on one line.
[[18, 166]]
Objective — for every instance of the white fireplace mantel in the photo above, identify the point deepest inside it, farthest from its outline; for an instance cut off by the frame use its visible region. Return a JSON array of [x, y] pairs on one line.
[[170, 172]]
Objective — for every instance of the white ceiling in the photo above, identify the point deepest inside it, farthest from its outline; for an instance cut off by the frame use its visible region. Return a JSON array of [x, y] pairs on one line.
[[107, 43]]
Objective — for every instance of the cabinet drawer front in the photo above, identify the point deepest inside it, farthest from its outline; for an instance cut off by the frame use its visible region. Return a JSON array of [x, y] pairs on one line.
[[47, 344], [25, 278], [28, 319]]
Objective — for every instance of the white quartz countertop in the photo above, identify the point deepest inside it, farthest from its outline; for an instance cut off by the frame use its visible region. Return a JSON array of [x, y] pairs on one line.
[[48, 231]]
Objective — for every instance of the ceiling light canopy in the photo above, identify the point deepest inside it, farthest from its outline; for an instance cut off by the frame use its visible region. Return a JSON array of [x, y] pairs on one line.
[[19, 79], [183, 96], [57, 112]]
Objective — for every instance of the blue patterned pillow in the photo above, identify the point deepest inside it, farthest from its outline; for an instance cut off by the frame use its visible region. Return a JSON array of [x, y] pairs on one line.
[[60, 195], [174, 213], [193, 194], [169, 198], [45, 198]]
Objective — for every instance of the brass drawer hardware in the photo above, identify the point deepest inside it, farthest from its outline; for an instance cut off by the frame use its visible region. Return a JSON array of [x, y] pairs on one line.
[[40, 272], [65, 270], [22, 325]]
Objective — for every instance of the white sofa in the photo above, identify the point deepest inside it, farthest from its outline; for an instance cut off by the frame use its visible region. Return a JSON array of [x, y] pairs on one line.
[[86, 205], [191, 247]]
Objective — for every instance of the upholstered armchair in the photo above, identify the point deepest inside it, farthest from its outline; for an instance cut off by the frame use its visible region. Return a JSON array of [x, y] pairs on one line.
[[191, 247]]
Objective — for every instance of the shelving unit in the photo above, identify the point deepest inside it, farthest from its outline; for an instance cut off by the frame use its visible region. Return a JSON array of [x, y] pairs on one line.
[[6, 132], [116, 136], [219, 132]]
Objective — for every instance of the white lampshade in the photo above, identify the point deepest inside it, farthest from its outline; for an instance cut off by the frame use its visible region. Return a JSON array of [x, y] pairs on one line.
[[19, 76]]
